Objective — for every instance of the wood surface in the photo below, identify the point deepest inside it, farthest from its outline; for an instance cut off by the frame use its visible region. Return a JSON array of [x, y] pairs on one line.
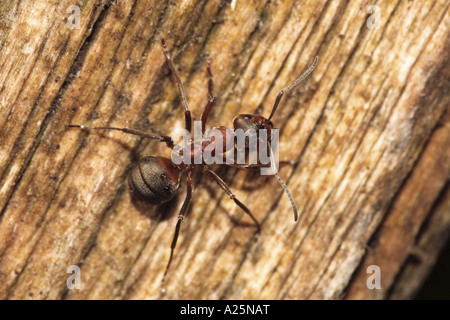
[[369, 132]]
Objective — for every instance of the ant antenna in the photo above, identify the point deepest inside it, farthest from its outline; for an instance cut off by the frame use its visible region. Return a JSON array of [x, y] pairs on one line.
[[294, 207], [286, 190], [292, 85]]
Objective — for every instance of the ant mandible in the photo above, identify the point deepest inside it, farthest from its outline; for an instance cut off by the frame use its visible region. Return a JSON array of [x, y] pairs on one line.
[[155, 179]]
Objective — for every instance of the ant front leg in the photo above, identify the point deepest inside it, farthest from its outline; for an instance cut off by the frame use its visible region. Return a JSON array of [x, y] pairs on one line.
[[225, 188], [187, 112], [181, 216]]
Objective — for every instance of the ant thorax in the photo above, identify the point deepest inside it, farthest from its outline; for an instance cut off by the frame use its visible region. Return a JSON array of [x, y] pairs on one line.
[[222, 145]]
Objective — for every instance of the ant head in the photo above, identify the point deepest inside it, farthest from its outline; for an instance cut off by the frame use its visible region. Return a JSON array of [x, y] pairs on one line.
[[252, 121]]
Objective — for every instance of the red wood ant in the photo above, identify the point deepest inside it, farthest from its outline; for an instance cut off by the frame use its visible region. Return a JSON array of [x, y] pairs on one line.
[[155, 179]]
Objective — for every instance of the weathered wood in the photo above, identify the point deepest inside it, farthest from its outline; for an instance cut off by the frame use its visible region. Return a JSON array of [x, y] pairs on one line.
[[403, 251], [369, 131]]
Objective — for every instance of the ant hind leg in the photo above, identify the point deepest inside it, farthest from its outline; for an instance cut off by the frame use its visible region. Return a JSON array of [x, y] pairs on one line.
[[181, 216]]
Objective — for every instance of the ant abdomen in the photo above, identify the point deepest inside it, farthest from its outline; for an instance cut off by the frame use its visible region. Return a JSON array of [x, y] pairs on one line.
[[154, 180]]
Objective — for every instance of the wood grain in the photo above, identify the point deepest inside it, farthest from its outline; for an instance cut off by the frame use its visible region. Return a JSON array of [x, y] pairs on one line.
[[369, 132]]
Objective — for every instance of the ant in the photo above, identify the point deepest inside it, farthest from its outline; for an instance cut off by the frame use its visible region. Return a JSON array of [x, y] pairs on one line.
[[155, 179]]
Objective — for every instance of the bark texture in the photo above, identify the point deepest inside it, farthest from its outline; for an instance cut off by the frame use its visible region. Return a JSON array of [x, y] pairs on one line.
[[369, 132]]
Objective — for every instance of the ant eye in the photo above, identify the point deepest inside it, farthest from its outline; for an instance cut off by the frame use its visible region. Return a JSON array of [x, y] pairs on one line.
[[247, 117]]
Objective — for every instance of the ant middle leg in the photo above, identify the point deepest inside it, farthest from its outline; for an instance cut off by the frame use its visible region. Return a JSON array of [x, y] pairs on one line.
[[282, 183], [225, 188]]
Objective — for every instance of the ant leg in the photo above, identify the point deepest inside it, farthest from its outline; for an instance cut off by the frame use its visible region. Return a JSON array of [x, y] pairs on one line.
[[181, 216], [211, 96], [292, 85], [166, 139], [287, 163], [224, 186], [187, 113], [258, 165]]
